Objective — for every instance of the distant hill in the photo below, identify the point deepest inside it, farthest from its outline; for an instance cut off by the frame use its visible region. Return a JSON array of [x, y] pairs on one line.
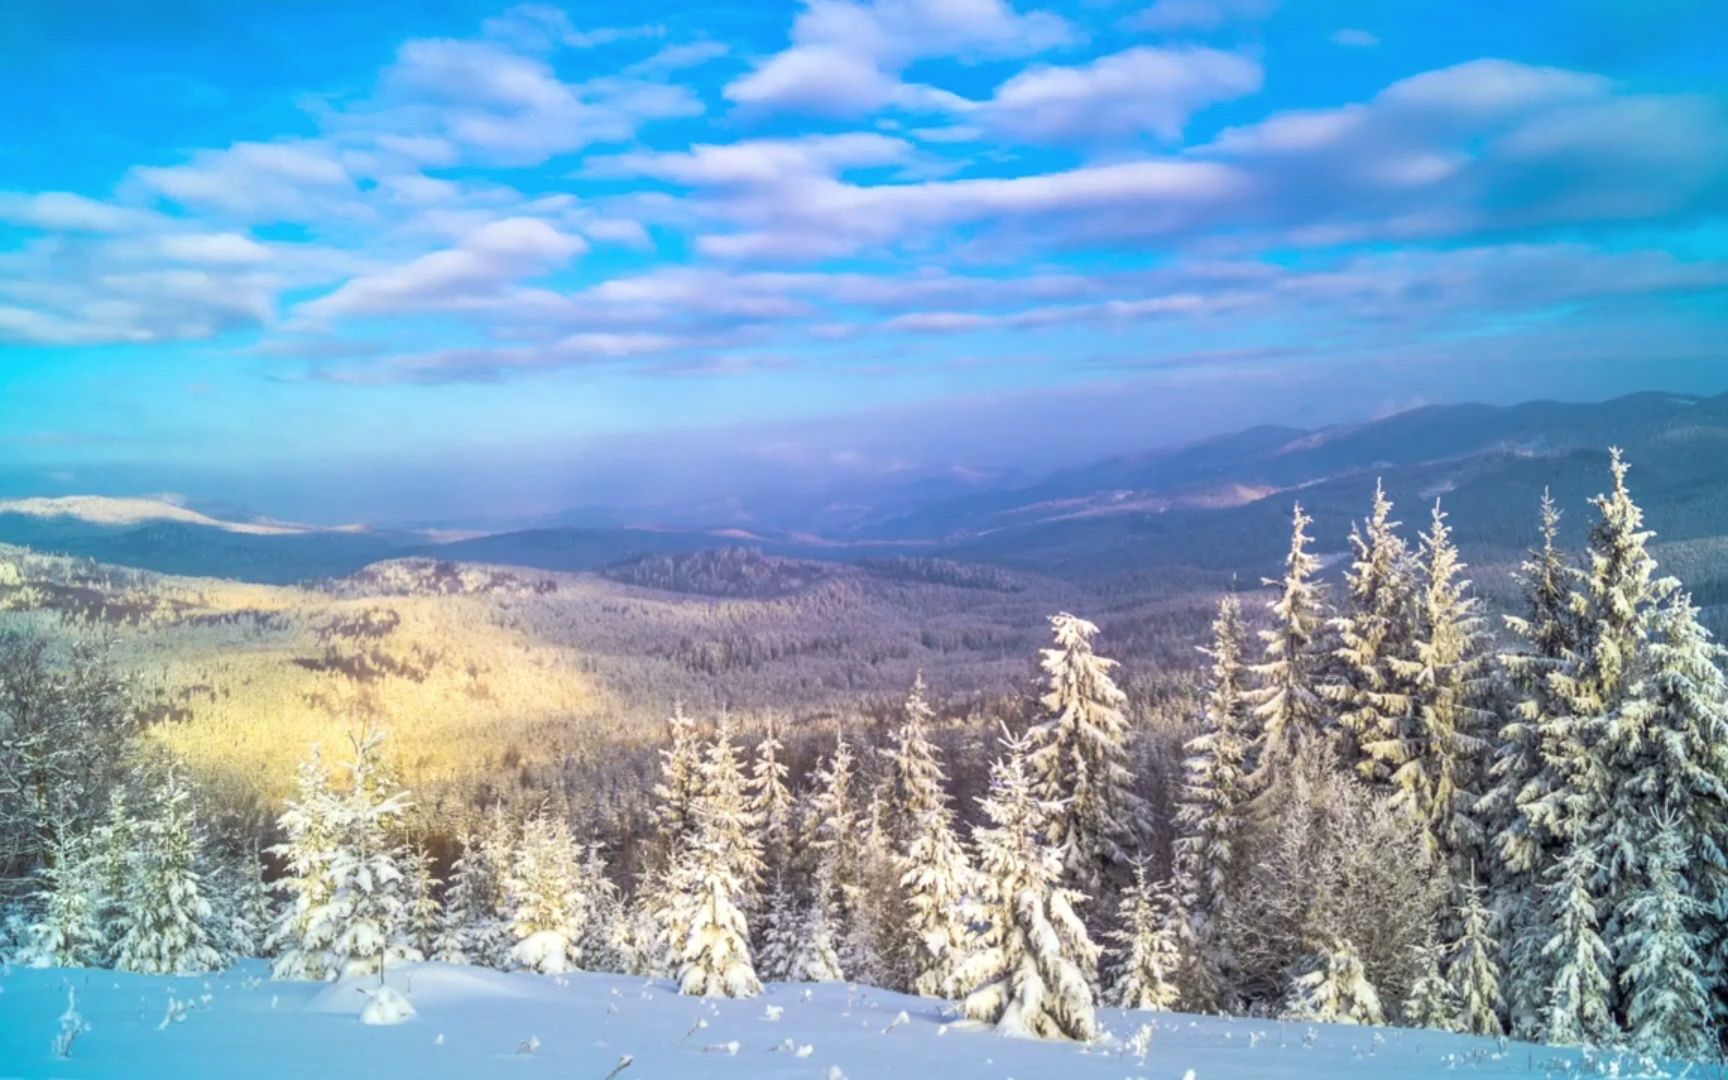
[[1219, 505]]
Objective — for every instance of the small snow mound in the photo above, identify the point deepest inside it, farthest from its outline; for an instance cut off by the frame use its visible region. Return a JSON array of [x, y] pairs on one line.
[[386, 1006], [430, 985]]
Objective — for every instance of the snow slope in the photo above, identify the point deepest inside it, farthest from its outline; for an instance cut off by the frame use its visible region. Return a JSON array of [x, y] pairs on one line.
[[475, 1024]]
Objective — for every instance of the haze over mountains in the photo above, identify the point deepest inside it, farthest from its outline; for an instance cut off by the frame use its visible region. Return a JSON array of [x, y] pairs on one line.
[[1218, 504]]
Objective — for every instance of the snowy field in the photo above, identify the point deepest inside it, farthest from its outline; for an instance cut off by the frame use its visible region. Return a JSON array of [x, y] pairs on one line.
[[476, 1024]]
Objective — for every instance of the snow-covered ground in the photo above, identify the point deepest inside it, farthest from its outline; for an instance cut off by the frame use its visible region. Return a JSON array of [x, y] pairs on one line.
[[476, 1024]]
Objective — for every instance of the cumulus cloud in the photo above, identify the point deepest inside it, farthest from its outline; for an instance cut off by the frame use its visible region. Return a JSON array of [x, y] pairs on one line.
[[474, 272], [847, 57], [1143, 90], [1174, 16]]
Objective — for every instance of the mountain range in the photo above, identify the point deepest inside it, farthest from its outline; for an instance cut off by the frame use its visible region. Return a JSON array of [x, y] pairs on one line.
[[1218, 504]]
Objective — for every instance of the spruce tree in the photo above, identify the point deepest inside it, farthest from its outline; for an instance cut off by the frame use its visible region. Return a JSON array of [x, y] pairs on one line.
[[1570, 974], [937, 877], [1289, 713], [303, 939], [1209, 816], [425, 913], [68, 929], [774, 807], [830, 854], [1437, 753], [718, 869], [1374, 632], [1474, 970], [1148, 949], [1079, 757], [543, 896], [1432, 1003], [1335, 990], [366, 918], [1033, 971], [1662, 968], [680, 786], [168, 926]]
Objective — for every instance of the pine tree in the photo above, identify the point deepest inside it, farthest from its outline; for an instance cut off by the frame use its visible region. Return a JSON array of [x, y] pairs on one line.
[[1474, 972], [1289, 714], [543, 896], [680, 786], [68, 930], [1079, 758], [1662, 969], [1335, 990], [1526, 771], [365, 919], [772, 804], [1670, 770], [1431, 1004], [782, 935], [168, 926], [302, 939], [1209, 817], [1570, 975], [425, 913], [1523, 773], [719, 868], [1623, 598], [245, 914], [1437, 753], [1033, 971], [830, 850], [1373, 633], [937, 877], [1148, 948], [874, 946]]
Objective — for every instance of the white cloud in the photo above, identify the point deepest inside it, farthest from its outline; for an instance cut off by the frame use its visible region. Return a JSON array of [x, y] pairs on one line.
[[1166, 16], [847, 56], [259, 182], [64, 211], [485, 263], [1140, 90]]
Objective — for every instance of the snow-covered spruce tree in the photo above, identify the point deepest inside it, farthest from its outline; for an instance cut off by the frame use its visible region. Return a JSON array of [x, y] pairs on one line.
[[244, 911], [715, 875], [425, 913], [938, 879], [1525, 771], [1079, 759], [112, 846], [365, 918], [1148, 954], [474, 928], [772, 804], [1209, 817], [167, 925], [1671, 767], [1547, 634], [605, 942], [674, 819], [1474, 969], [1436, 752], [302, 938], [543, 896], [1335, 990], [1662, 967], [1375, 629], [680, 786], [830, 853], [1623, 597], [1569, 974], [874, 948], [68, 929], [1289, 713], [780, 934], [1431, 1003], [1033, 973]]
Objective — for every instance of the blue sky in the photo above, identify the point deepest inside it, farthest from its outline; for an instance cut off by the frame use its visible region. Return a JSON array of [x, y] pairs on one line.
[[363, 259]]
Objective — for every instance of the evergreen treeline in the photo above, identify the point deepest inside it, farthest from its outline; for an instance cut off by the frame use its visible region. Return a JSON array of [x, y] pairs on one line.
[[1385, 817]]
